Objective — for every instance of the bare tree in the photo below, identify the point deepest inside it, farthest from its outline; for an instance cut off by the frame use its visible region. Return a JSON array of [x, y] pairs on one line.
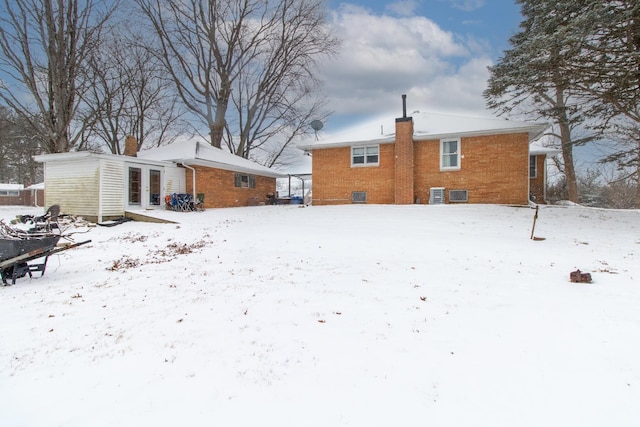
[[43, 46], [254, 55], [130, 96], [277, 95]]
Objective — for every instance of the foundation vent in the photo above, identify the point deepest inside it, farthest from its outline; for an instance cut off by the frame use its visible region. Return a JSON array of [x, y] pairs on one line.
[[458, 196], [359, 197]]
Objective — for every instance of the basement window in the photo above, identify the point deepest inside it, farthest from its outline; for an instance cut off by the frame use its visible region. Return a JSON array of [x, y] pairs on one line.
[[458, 196], [365, 156], [359, 197], [245, 181]]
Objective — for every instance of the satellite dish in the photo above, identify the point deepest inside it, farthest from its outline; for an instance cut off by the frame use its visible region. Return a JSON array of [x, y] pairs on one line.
[[316, 125]]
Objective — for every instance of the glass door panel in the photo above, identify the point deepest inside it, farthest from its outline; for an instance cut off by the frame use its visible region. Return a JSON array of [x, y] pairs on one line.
[[135, 186], [154, 187]]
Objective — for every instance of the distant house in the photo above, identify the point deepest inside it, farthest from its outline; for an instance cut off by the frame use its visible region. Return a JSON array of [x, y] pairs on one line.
[[431, 158], [16, 194], [105, 186], [11, 194]]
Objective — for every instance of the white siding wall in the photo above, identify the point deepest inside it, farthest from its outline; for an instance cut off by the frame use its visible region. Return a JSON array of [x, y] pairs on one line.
[[112, 183], [97, 186], [174, 180], [74, 186]]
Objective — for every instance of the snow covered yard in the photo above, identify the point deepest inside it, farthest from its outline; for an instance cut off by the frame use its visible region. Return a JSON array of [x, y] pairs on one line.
[[356, 315]]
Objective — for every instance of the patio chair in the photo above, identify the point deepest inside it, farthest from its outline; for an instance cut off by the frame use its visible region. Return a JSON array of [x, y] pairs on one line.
[[49, 221], [199, 205], [182, 202]]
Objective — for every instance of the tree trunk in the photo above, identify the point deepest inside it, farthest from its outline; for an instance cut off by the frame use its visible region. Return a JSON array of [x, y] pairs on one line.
[[569, 168], [216, 132], [637, 203], [638, 191], [566, 142], [216, 128]]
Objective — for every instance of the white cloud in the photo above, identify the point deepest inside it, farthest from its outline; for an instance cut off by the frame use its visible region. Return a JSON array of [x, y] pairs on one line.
[[403, 7], [383, 57]]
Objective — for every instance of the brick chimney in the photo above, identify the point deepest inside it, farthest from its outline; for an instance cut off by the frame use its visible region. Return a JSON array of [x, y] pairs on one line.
[[404, 191], [131, 146]]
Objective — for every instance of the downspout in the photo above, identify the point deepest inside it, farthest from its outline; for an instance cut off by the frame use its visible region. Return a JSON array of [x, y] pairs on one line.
[[544, 183], [100, 179], [193, 176], [529, 201]]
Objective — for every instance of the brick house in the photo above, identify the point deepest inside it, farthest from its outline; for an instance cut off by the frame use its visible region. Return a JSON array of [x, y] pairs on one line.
[[224, 179], [16, 194], [105, 186], [431, 158]]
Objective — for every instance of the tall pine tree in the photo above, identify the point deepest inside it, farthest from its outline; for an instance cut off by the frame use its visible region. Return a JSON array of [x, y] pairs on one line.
[[607, 72], [534, 77]]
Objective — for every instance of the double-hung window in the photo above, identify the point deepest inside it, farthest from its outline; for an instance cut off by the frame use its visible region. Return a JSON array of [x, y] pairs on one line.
[[450, 154], [244, 181], [365, 156], [533, 167]]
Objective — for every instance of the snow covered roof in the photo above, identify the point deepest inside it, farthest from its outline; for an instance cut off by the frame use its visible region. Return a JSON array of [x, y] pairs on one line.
[[536, 149], [427, 125], [544, 145], [11, 187], [198, 153], [81, 155]]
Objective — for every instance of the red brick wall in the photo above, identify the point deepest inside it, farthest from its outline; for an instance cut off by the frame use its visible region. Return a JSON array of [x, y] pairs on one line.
[[220, 191], [334, 179], [494, 169], [26, 198]]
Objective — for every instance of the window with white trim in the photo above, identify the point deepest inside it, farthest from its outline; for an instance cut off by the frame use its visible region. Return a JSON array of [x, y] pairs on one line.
[[244, 181], [365, 156], [135, 186], [533, 167], [450, 154]]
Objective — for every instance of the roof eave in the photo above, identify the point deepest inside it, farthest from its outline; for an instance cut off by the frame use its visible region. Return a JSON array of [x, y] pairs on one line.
[[534, 131], [80, 155], [234, 168], [309, 147]]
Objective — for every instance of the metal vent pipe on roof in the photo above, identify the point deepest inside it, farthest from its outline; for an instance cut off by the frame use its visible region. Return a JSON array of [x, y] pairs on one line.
[[404, 106]]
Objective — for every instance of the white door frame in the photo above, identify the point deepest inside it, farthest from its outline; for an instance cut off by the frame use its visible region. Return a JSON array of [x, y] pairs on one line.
[[144, 187]]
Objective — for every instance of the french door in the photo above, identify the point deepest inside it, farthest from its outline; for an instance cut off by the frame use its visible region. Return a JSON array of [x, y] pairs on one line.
[[144, 187]]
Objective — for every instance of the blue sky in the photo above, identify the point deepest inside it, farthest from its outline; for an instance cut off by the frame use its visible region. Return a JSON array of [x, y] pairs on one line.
[[492, 20], [435, 51]]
